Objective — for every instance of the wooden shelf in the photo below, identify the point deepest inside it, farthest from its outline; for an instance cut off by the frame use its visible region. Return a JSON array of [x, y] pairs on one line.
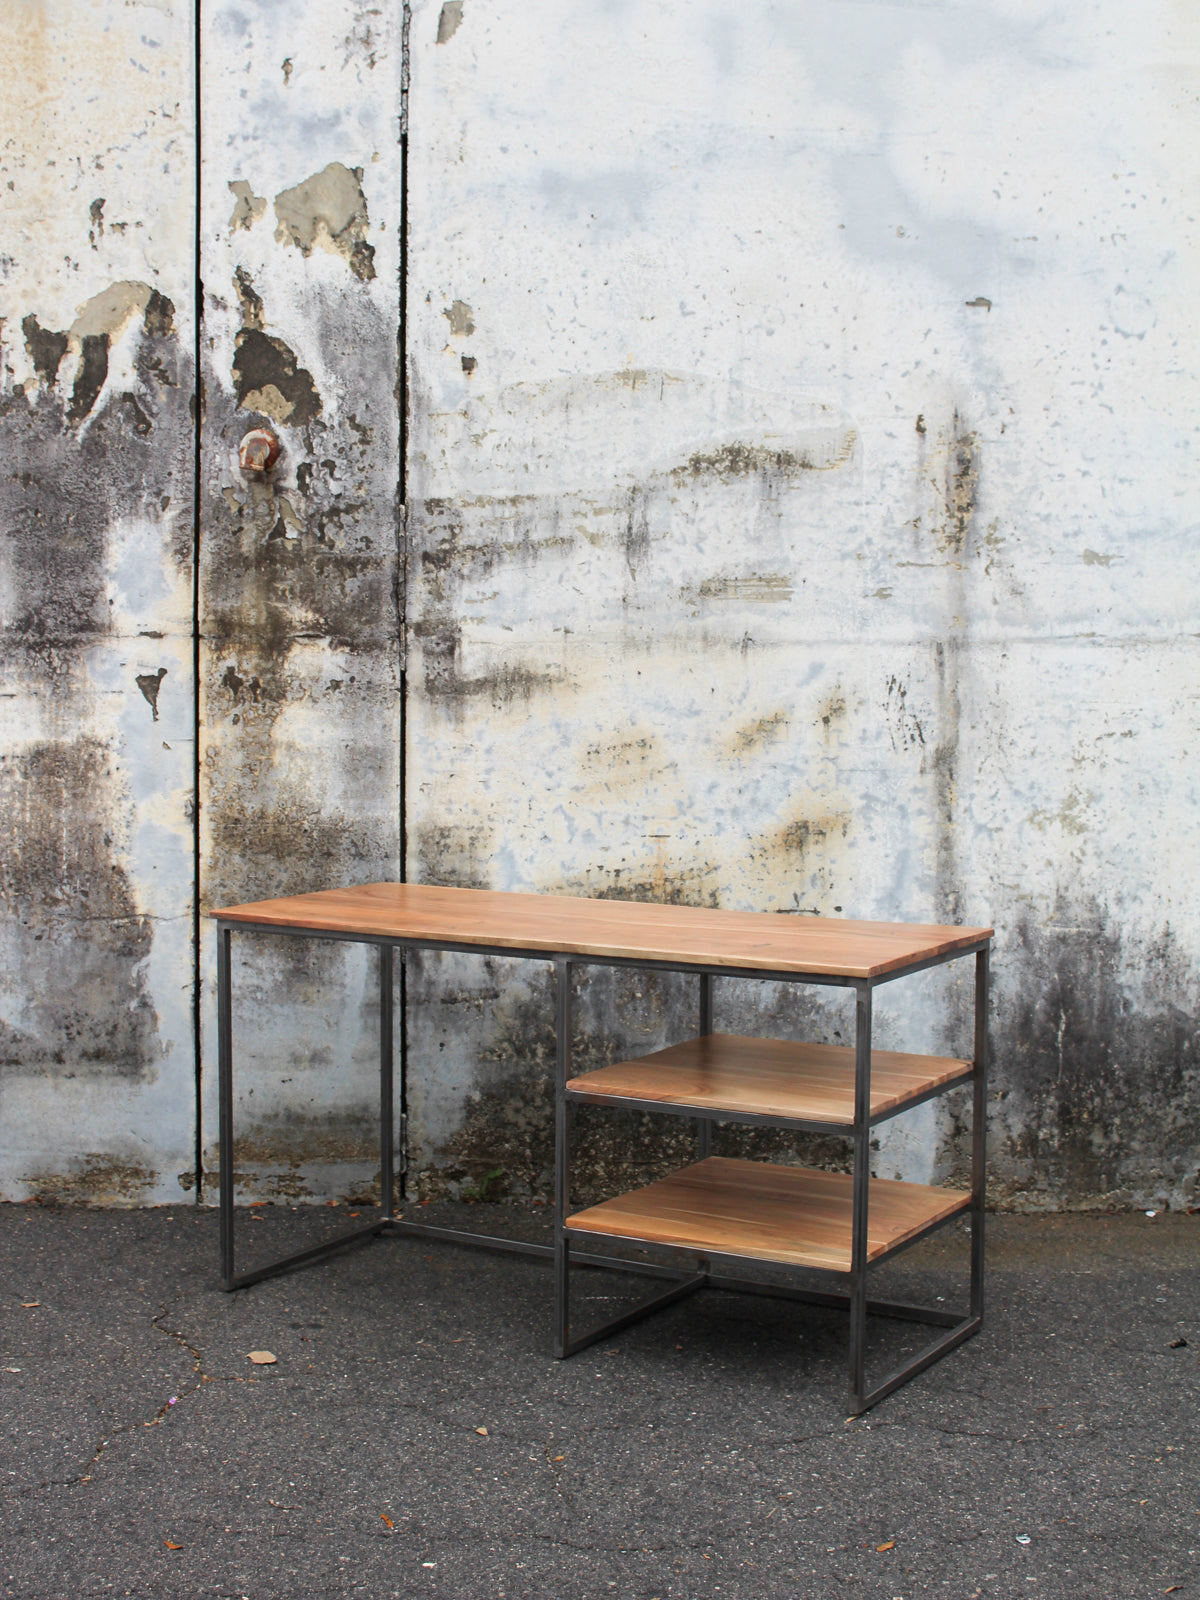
[[774, 1079], [795, 1215]]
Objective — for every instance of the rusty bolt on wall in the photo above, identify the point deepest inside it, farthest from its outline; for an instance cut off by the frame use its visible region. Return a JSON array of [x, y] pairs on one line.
[[258, 451]]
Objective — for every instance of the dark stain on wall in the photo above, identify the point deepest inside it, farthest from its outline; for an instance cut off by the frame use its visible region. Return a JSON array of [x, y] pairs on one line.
[[269, 847], [454, 855], [960, 488], [150, 683], [741, 460], [1096, 1043], [268, 378], [944, 769], [77, 941], [90, 375], [60, 490], [447, 680], [46, 348], [505, 1145], [74, 940]]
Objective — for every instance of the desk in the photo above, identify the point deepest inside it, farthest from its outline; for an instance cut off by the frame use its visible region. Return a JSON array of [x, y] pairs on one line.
[[716, 1212]]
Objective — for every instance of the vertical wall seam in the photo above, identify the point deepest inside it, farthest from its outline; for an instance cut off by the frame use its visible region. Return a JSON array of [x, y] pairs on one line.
[[402, 560], [197, 421]]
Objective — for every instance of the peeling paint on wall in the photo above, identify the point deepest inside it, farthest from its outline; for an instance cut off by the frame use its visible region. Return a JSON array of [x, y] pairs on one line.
[[328, 211]]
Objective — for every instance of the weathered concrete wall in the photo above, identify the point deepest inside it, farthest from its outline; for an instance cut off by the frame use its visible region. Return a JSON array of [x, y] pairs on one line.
[[97, 1074], [799, 474], [299, 616], [800, 491]]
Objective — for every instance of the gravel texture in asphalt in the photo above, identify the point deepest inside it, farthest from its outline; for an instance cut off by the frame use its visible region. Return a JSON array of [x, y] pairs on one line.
[[414, 1437]]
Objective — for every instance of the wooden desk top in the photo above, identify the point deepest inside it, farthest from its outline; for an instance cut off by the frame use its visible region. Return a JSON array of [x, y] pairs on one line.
[[560, 924]]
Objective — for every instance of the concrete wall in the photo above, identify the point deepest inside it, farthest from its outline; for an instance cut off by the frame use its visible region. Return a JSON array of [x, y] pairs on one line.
[[299, 618], [803, 413], [97, 151], [799, 410]]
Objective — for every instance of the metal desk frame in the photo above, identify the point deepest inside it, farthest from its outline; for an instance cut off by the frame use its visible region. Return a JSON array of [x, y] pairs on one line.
[[563, 1252]]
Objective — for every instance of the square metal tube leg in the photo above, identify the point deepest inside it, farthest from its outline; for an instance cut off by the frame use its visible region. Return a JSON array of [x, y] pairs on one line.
[[862, 1196], [386, 1130], [704, 1124], [562, 1157], [979, 1132], [225, 1093]]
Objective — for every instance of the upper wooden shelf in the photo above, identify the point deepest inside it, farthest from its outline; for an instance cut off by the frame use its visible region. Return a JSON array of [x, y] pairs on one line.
[[749, 941], [773, 1078], [796, 1215]]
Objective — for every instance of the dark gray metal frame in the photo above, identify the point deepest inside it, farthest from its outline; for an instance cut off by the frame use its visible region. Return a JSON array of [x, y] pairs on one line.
[[855, 1299]]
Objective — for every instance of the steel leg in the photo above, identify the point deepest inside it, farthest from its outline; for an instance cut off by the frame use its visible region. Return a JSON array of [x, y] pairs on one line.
[[862, 1192], [979, 1133], [225, 1093], [386, 1129], [562, 1156], [703, 1125]]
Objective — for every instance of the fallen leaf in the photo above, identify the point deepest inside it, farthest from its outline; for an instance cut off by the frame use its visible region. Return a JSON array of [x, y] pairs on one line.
[[388, 1520], [890, 1545], [262, 1358], [171, 1546], [482, 1431]]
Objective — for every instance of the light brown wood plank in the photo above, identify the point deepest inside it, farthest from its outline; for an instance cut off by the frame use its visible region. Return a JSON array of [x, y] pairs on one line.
[[754, 1209], [552, 924], [770, 1077]]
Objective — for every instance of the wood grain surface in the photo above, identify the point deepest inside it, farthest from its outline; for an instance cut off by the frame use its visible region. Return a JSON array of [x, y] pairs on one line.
[[753, 941], [770, 1077], [795, 1215]]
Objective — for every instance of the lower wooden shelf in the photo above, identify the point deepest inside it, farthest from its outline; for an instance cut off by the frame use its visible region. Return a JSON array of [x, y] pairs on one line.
[[796, 1215], [773, 1080]]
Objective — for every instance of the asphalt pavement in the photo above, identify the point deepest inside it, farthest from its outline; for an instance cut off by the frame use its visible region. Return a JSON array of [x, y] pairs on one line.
[[414, 1436]]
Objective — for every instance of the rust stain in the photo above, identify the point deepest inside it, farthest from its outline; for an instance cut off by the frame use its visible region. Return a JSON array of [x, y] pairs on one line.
[[95, 1180], [959, 488], [741, 460], [756, 588], [758, 733]]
